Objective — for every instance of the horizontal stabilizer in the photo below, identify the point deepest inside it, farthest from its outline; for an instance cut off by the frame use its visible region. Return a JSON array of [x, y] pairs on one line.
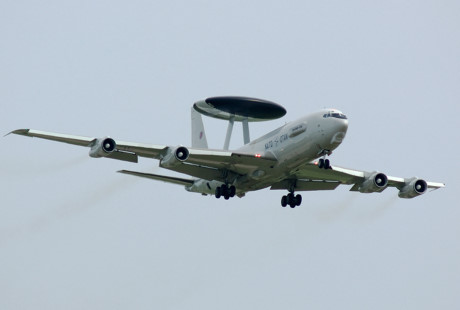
[[164, 178]]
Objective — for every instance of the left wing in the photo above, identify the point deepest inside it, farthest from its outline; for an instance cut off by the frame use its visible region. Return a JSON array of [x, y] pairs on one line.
[[310, 177]]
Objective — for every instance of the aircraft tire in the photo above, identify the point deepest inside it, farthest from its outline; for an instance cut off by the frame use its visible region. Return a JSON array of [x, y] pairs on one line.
[[232, 191], [321, 163], [218, 192], [298, 200], [327, 164], [284, 201]]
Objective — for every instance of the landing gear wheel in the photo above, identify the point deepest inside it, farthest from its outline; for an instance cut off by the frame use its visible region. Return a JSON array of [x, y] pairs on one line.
[[321, 163], [324, 163], [291, 201], [298, 200], [225, 191], [218, 192], [284, 201], [232, 191]]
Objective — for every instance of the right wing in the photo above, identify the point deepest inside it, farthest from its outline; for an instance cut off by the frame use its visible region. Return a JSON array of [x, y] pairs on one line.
[[201, 163], [123, 151]]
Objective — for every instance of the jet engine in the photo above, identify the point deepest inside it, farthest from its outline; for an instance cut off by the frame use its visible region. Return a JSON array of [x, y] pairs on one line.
[[174, 157], [375, 183], [413, 188], [102, 147]]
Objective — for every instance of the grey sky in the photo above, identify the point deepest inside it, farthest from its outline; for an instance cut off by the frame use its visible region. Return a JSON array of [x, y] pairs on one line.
[[76, 235]]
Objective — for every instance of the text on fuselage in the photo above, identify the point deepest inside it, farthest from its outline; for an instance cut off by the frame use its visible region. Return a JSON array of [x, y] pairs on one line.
[[275, 142]]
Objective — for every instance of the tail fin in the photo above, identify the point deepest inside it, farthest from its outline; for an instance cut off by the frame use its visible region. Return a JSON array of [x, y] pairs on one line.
[[198, 134]]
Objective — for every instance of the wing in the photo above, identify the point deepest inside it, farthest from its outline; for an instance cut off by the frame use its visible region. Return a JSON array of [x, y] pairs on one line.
[[310, 177], [122, 151], [202, 163]]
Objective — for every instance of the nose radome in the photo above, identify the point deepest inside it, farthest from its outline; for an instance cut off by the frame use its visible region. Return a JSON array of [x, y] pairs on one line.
[[340, 125], [340, 131]]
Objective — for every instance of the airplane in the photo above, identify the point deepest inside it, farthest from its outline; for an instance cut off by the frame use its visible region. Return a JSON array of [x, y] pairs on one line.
[[292, 157]]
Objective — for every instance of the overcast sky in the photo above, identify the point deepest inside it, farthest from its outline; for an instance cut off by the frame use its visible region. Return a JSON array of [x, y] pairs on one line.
[[74, 234]]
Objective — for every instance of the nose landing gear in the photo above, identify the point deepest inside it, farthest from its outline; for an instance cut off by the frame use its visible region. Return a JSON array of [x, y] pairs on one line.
[[324, 163]]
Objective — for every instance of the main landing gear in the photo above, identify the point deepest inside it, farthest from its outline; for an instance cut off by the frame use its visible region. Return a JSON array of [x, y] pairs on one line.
[[225, 191], [291, 200]]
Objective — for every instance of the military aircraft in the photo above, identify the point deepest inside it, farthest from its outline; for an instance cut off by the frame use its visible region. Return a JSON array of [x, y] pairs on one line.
[[292, 157]]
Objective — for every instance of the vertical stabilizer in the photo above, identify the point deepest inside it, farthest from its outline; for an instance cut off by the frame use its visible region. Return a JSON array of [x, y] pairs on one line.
[[198, 134]]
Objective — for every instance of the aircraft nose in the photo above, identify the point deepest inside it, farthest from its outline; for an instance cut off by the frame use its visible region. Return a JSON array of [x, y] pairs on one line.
[[340, 131], [340, 125], [343, 125]]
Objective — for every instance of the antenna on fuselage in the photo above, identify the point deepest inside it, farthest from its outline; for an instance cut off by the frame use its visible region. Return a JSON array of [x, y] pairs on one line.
[[239, 109]]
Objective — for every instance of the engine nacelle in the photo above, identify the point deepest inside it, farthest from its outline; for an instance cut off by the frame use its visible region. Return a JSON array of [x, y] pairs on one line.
[[174, 157], [103, 147], [375, 183], [413, 188]]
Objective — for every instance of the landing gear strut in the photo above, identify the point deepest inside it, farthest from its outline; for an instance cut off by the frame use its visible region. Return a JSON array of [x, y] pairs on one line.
[[225, 191], [291, 200]]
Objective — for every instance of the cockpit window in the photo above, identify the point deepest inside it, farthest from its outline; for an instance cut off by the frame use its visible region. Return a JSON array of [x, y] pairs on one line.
[[336, 115], [339, 115]]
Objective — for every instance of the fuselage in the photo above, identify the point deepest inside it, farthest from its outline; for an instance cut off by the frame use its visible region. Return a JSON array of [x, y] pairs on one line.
[[293, 145]]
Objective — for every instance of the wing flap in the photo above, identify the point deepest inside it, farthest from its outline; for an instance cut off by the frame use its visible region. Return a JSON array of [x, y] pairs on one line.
[[201, 172], [125, 156]]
